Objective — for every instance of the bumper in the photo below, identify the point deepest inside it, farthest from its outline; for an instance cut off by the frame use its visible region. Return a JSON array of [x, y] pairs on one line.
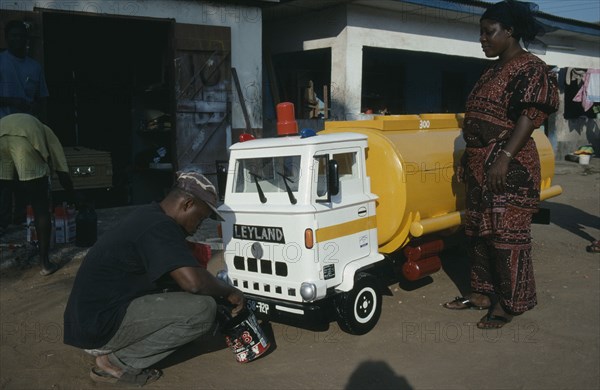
[[313, 315]]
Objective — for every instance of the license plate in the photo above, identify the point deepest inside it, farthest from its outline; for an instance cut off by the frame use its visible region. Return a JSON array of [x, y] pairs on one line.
[[258, 307]]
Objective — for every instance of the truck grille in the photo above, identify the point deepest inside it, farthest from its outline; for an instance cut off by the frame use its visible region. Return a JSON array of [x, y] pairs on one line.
[[266, 266], [261, 266]]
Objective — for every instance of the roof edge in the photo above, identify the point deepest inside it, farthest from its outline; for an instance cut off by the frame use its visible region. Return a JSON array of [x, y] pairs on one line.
[[467, 6]]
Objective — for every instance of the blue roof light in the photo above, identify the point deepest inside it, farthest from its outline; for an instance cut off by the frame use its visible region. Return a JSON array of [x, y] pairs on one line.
[[306, 133]]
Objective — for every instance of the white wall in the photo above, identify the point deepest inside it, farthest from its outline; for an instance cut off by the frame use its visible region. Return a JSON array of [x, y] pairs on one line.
[[245, 24]]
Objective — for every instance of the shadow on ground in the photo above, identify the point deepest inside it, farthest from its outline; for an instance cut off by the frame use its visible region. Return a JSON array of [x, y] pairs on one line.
[[456, 264], [572, 219], [203, 345], [376, 375]]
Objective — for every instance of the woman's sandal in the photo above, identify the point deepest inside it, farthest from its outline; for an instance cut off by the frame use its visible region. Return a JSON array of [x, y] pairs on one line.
[[462, 303], [491, 321], [594, 247], [145, 377]]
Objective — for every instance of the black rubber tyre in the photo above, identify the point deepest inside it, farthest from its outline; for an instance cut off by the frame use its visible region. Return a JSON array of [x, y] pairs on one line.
[[358, 310]]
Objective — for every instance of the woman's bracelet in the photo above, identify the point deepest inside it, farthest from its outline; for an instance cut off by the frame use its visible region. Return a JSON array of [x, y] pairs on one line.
[[508, 154]]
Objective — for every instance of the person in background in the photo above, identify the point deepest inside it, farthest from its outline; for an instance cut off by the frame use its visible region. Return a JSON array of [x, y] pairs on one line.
[[29, 153], [22, 82], [501, 165], [118, 309], [22, 90]]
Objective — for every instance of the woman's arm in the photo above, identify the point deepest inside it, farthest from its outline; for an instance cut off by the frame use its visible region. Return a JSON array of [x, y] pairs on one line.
[[496, 175]]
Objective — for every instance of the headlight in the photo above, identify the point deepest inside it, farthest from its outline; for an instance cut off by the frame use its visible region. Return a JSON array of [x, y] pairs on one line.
[[308, 291]]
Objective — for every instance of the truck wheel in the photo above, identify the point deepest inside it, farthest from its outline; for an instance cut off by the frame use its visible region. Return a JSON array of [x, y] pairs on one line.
[[358, 310]]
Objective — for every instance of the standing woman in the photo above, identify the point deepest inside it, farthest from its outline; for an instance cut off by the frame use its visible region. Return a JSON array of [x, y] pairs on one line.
[[501, 165]]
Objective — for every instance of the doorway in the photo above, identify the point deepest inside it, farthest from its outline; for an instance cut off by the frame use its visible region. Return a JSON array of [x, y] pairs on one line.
[[108, 77]]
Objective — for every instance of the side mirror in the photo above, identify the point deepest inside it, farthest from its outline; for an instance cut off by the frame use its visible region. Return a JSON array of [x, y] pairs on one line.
[[333, 184]]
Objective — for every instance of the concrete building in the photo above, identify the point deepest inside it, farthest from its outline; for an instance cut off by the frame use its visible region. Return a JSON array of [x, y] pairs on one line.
[[408, 57], [149, 81]]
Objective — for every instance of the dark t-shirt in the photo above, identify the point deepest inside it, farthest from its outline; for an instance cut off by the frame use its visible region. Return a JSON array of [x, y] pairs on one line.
[[130, 261]]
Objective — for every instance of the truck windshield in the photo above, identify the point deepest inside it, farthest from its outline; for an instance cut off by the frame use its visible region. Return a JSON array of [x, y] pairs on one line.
[[273, 174]]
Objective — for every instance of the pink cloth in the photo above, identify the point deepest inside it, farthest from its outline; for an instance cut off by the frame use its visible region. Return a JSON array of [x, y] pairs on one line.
[[588, 93]]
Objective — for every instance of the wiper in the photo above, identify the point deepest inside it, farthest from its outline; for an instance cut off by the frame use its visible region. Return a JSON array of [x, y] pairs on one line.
[[261, 194], [287, 188]]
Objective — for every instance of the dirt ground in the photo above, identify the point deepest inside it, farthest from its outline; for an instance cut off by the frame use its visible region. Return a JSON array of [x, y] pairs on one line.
[[416, 345]]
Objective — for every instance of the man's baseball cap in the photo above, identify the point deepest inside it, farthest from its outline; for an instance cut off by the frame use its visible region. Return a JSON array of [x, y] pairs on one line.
[[196, 184]]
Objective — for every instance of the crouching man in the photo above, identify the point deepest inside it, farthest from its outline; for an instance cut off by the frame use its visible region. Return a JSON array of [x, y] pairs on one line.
[[117, 310]]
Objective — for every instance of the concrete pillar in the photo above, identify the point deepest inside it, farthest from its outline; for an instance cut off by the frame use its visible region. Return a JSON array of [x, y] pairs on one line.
[[346, 77]]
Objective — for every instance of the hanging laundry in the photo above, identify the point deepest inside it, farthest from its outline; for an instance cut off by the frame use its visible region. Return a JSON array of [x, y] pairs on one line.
[[593, 87], [587, 94], [573, 81]]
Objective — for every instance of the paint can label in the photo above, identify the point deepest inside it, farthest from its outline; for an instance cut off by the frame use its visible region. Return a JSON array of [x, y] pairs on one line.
[[245, 337]]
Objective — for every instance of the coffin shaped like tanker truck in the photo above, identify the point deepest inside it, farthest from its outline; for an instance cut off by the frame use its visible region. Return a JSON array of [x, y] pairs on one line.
[[312, 222]]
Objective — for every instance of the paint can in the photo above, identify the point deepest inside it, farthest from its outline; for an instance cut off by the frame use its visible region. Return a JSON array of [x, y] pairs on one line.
[[243, 335]]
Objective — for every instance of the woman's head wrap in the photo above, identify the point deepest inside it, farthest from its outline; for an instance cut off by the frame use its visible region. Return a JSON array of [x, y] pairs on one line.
[[520, 16]]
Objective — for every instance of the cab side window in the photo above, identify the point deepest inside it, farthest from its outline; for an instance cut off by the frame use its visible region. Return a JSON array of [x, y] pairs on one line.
[[347, 166], [321, 171], [347, 170]]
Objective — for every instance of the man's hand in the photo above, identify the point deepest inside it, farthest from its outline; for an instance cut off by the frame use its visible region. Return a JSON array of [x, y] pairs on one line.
[[65, 181], [236, 298]]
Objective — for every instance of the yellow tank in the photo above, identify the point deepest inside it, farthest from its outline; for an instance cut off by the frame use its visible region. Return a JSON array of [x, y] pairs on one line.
[[411, 160]]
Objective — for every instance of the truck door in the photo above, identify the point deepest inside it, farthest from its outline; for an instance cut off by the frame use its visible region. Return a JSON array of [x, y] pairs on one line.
[[344, 219]]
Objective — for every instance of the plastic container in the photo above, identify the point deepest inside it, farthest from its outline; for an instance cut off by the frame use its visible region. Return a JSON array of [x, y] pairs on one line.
[[31, 232], [584, 159], [70, 223], [60, 225], [201, 252]]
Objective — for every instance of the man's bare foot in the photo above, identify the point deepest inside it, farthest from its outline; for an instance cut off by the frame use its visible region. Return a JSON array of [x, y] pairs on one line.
[[49, 269], [106, 372], [105, 365], [474, 301]]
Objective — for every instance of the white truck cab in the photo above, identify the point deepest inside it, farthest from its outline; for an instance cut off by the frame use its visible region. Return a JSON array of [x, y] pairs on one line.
[[300, 226]]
